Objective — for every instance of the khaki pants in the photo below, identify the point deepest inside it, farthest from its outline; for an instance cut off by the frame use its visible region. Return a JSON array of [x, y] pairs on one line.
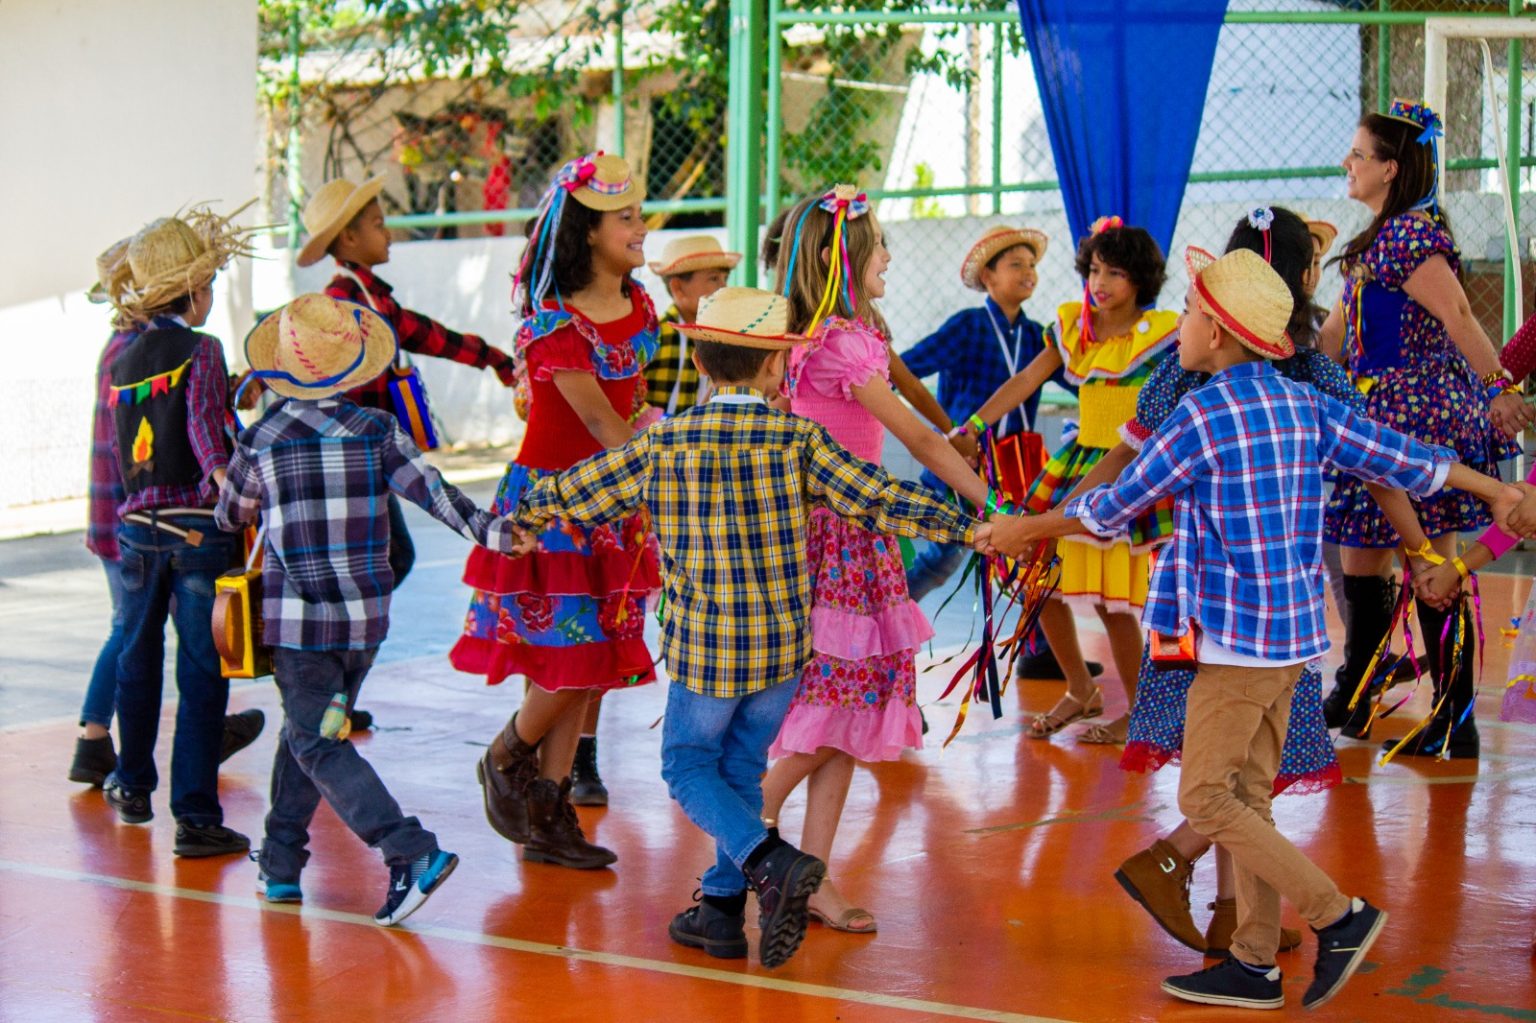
[[1235, 723]]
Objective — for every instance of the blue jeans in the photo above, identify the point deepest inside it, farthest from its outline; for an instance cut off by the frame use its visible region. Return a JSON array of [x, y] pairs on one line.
[[936, 563], [101, 693], [309, 766], [714, 750], [166, 577]]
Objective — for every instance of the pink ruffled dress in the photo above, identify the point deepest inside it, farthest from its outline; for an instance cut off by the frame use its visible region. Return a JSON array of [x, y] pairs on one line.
[[858, 693]]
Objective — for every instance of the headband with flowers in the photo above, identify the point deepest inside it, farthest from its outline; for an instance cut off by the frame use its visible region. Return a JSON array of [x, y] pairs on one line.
[[1261, 219], [536, 270], [1085, 332], [845, 203], [1430, 134]]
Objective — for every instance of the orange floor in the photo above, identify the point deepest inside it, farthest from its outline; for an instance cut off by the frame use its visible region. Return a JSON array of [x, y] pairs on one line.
[[988, 865]]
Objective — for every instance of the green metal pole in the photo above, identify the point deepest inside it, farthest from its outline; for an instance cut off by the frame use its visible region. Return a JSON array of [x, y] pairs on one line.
[[618, 79], [744, 124], [997, 120], [1383, 62], [295, 154], [1516, 64], [775, 116]]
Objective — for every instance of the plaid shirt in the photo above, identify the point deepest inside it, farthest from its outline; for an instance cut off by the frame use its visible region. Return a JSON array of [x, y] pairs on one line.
[[319, 472], [106, 491], [417, 333], [208, 427], [670, 370], [1243, 459], [729, 486]]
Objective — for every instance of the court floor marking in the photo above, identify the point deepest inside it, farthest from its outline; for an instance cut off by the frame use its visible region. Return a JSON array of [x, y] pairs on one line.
[[468, 937]]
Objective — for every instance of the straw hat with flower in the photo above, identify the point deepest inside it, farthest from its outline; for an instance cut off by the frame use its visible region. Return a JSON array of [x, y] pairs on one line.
[[746, 317], [174, 256], [601, 181], [317, 346], [329, 210], [994, 241], [1324, 232], [1245, 295], [693, 252]]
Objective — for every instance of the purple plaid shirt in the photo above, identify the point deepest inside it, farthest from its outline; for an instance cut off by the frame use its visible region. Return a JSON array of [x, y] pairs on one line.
[[106, 491], [1243, 458], [319, 472]]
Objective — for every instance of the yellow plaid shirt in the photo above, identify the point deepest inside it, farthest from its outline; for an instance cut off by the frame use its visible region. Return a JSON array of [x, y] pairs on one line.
[[730, 485], [670, 369]]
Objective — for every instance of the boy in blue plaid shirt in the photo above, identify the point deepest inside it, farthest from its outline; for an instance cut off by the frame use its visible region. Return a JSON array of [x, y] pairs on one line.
[[729, 486], [1243, 459], [317, 469]]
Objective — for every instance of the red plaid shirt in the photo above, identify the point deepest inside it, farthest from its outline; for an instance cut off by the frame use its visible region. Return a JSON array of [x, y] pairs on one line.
[[106, 489], [418, 334]]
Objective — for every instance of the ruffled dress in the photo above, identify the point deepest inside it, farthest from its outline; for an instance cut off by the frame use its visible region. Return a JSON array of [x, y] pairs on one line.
[[1109, 374], [858, 693], [1415, 380], [570, 615]]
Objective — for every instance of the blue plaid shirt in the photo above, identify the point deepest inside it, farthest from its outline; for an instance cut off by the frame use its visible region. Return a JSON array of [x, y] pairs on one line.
[[1243, 459]]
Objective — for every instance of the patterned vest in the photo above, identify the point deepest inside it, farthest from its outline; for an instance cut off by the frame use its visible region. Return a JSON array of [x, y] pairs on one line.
[[149, 410]]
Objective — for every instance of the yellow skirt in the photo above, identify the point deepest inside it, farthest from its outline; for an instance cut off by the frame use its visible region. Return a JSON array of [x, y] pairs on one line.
[[1111, 576]]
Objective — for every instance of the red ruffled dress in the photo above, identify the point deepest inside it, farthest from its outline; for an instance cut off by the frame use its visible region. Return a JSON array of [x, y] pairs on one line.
[[570, 615]]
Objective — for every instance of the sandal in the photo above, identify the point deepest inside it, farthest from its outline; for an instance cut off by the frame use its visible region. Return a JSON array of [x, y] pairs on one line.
[[1106, 735], [844, 920], [1048, 724]]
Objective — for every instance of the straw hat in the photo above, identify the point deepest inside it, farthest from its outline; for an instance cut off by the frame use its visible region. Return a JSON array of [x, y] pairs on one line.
[[695, 252], [329, 210], [1324, 232], [107, 264], [1246, 296], [995, 241], [175, 256], [746, 317], [317, 346], [601, 181]]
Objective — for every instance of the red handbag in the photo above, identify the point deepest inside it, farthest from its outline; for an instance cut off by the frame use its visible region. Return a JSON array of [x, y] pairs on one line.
[[1020, 460]]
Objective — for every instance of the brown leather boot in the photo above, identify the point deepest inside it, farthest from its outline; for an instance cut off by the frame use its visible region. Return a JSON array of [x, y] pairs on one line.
[[1158, 878], [506, 770], [554, 833], [1218, 936]]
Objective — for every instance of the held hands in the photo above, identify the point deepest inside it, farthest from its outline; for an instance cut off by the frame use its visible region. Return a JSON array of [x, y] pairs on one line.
[[506, 372], [965, 446], [1521, 521], [1012, 535], [981, 541], [1510, 413], [1437, 585], [524, 542]]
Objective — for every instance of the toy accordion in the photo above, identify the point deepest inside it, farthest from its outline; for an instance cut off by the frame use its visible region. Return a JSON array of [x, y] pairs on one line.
[[411, 406], [1020, 460], [237, 621]]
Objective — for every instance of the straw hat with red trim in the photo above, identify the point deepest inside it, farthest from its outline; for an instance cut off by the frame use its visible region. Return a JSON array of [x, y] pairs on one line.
[[1246, 296], [329, 210], [694, 252], [1324, 232], [746, 317], [317, 346], [994, 241]]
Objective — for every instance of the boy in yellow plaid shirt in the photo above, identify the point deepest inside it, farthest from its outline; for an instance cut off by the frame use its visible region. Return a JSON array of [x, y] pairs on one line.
[[729, 485]]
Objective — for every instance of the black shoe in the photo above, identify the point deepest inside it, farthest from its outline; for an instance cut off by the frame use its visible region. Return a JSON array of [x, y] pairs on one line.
[[412, 884], [197, 840], [94, 760], [587, 788], [1372, 602], [1043, 666], [784, 881], [718, 933], [361, 720], [1229, 982], [1452, 733], [1341, 948], [240, 730], [1465, 743], [132, 805]]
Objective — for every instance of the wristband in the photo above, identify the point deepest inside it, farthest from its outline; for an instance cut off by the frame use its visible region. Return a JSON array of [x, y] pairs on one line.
[[1489, 379], [959, 431], [976, 423], [994, 507], [1461, 566], [1424, 551]]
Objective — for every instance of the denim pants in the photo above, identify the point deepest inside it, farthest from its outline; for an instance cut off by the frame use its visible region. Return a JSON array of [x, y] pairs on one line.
[[714, 750], [101, 693], [309, 766], [932, 566], [164, 577]]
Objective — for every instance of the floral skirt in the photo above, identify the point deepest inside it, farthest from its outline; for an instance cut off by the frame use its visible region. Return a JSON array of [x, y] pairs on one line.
[[1093, 571], [1307, 760], [858, 694], [570, 615], [1520, 697], [1438, 402]]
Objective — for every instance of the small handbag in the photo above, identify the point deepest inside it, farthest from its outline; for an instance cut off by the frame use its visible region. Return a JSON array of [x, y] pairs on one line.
[[237, 620], [1020, 460], [411, 406]]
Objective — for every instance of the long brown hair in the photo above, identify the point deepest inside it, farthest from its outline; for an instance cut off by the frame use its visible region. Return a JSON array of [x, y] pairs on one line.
[[806, 241], [1396, 139]]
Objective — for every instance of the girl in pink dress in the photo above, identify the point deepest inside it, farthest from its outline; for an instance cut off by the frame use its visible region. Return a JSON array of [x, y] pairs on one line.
[[856, 699]]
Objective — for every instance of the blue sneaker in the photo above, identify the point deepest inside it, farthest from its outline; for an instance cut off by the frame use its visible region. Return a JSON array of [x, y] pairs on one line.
[[1341, 948], [1231, 983], [410, 885], [278, 891]]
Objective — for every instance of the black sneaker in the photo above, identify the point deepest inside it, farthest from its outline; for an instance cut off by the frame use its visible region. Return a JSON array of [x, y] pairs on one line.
[[784, 881], [361, 720], [1230, 983], [1341, 948], [132, 805], [410, 885], [240, 730], [194, 841], [721, 934], [94, 760]]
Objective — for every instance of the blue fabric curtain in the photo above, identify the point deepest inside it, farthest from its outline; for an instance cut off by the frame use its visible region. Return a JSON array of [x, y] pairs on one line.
[[1123, 85]]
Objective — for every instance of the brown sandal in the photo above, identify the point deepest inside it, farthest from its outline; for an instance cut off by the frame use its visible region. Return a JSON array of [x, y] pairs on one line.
[[1106, 735], [1048, 724]]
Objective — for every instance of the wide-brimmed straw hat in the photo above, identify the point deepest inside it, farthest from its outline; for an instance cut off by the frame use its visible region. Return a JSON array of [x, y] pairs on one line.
[[174, 256], [746, 317], [329, 210], [601, 181], [317, 346], [1246, 296], [994, 241], [1324, 232], [694, 252], [110, 262]]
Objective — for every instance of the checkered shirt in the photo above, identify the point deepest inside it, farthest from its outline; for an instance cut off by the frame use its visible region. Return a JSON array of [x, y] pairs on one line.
[[670, 369], [319, 472], [106, 484], [1243, 459], [729, 485]]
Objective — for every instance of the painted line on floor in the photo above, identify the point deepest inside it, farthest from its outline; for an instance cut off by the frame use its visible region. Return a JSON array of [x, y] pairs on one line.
[[467, 937]]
